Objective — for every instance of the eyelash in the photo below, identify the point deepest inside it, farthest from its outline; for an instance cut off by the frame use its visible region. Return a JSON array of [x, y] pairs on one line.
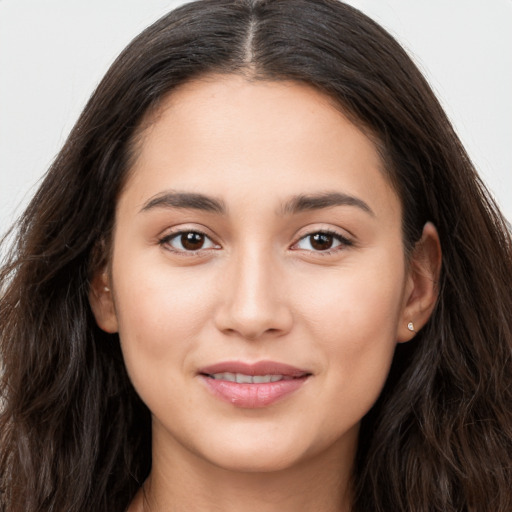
[[166, 241], [344, 242]]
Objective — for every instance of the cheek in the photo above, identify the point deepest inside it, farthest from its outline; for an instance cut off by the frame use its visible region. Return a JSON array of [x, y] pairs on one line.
[[353, 317], [160, 314], [356, 299]]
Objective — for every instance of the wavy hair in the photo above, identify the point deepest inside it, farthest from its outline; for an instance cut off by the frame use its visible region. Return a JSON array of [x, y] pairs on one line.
[[74, 436]]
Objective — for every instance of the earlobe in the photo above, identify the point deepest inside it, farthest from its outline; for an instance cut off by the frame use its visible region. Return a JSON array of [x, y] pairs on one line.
[[421, 288], [102, 303]]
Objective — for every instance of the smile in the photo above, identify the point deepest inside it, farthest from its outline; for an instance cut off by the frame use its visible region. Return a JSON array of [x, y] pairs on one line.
[[249, 379], [252, 386]]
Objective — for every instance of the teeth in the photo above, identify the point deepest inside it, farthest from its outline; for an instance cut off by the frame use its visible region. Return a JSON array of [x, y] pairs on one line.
[[243, 379], [231, 377], [248, 379], [260, 379]]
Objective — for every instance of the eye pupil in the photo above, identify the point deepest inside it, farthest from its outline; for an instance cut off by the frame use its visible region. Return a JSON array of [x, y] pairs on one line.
[[321, 241], [192, 241]]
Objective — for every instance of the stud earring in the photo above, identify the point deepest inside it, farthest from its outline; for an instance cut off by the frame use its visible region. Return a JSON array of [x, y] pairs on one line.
[[106, 288], [410, 326]]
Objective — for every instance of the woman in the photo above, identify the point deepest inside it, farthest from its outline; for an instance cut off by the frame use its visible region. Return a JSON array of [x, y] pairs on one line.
[[228, 292]]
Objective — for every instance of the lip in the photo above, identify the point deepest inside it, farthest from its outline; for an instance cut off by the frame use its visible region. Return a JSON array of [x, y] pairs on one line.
[[254, 395], [258, 368]]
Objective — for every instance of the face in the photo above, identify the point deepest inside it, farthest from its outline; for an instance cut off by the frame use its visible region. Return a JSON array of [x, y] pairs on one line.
[[258, 280]]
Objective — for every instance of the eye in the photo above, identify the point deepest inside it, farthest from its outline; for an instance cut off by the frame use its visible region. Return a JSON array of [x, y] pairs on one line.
[[188, 241], [322, 241]]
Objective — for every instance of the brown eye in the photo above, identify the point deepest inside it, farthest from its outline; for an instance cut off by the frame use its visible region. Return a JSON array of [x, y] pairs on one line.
[[188, 241], [321, 241], [192, 241]]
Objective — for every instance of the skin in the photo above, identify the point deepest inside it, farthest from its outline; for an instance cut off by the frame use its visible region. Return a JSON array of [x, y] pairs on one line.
[[259, 290]]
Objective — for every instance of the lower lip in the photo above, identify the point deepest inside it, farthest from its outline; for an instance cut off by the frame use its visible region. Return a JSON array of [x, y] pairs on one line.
[[253, 396]]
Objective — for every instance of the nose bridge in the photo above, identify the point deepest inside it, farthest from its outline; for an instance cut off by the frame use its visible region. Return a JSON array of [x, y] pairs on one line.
[[253, 281], [254, 302]]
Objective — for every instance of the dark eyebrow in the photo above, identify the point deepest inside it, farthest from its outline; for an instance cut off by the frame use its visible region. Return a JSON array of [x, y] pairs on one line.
[[187, 200], [305, 202]]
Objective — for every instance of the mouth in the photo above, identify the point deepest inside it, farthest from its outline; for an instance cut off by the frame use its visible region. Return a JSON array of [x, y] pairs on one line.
[[242, 378], [253, 386]]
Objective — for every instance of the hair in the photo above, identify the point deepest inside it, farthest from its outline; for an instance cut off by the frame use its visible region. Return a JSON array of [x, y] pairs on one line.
[[74, 435]]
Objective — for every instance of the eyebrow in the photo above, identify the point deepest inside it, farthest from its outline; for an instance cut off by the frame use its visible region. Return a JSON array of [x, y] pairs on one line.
[[297, 204], [306, 202], [185, 200]]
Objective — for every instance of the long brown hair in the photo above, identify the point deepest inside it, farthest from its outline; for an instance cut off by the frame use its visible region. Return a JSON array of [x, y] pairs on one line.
[[75, 436]]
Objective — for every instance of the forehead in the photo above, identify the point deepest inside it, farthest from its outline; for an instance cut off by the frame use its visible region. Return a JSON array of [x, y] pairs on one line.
[[227, 135]]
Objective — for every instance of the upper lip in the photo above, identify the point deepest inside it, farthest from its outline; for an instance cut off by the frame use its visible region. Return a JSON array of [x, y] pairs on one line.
[[258, 368]]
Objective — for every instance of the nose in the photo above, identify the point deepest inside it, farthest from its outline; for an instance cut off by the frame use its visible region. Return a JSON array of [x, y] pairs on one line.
[[254, 302]]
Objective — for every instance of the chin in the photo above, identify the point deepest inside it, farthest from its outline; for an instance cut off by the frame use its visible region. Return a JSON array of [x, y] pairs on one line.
[[255, 461], [264, 451]]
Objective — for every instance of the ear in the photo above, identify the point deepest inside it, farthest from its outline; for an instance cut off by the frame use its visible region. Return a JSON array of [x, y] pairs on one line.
[[421, 289], [102, 302]]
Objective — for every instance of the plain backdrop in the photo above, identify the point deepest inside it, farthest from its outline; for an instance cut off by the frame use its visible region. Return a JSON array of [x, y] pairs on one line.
[[54, 52]]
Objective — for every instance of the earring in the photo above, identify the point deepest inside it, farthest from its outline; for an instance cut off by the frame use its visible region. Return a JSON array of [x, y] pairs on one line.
[[106, 288], [410, 326]]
